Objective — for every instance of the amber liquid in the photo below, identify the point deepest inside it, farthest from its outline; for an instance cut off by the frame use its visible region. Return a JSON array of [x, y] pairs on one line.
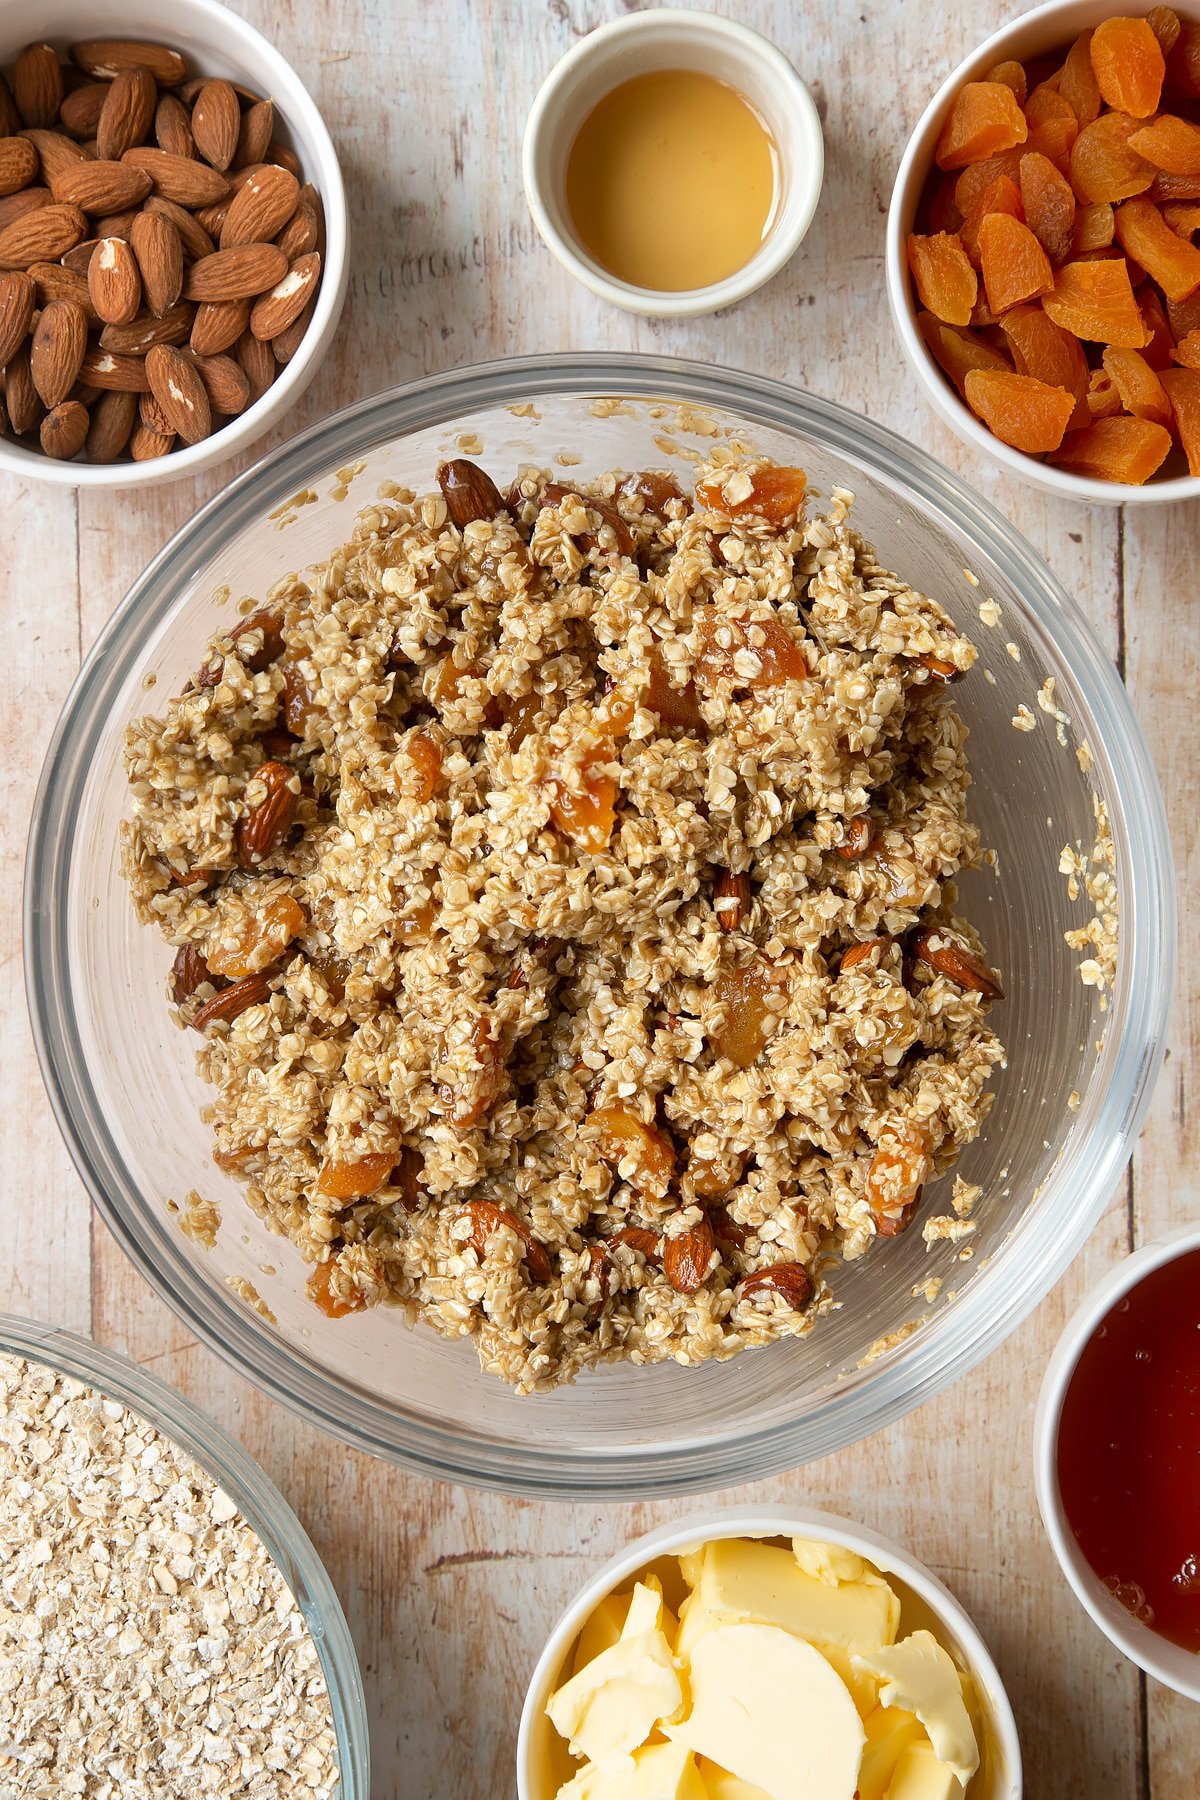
[[1129, 1451], [671, 181]]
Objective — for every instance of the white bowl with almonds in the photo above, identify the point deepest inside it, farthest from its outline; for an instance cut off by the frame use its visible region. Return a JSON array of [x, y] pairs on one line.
[[173, 240]]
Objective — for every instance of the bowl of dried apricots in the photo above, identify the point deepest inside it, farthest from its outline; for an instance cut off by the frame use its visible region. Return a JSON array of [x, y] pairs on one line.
[[1041, 262]]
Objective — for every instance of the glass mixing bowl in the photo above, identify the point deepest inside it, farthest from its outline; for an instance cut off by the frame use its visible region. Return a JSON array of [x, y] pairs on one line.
[[1068, 1104]]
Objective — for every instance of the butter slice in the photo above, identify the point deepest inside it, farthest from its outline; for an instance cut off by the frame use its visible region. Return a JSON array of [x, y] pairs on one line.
[[890, 1731], [749, 1582], [616, 1700], [658, 1772], [601, 1629], [920, 1775], [768, 1707], [920, 1676], [832, 1563], [719, 1784]]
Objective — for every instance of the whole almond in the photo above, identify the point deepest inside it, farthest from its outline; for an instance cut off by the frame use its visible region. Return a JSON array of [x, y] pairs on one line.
[[78, 258], [145, 445], [152, 416], [159, 253], [37, 85], [19, 165], [276, 310], [56, 153], [172, 127], [192, 235], [218, 324], [54, 282], [113, 418], [20, 395], [213, 218], [254, 134], [113, 281], [225, 383], [687, 1254], [107, 57], [140, 334], [40, 236], [176, 385], [236, 274], [286, 343], [109, 370], [85, 393], [118, 224], [176, 178], [80, 111], [300, 234], [101, 187], [17, 295], [216, 123], [287, 159], [261, 207], [5, 427], [127, 113], [63, 430], [10, 118], [258, 363], [15, 206], [56, 350]]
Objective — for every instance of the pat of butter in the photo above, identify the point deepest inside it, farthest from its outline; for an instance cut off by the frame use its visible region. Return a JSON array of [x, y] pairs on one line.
[[601, 1629], [719, 1784], [615, 1701], [768, 1707], [920, 1676], [751, 1582], [832, 1563], [890, 1730], [921, 1776], [658, 1772]]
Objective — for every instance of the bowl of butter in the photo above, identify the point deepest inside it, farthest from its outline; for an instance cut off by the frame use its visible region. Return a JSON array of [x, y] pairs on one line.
[[769, 1654]]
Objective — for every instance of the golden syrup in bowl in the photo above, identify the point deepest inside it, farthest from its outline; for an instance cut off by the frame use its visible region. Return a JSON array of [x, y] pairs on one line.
[[672, 181]]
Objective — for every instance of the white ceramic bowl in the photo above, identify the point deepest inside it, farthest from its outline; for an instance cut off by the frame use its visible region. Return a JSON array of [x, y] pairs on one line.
[[665, 38], [1169, 1663], [925, 1603], [215, 42], [1037, 33]]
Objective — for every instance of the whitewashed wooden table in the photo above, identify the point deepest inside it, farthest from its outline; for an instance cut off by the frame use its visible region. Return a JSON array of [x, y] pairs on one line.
[[449, 1593]]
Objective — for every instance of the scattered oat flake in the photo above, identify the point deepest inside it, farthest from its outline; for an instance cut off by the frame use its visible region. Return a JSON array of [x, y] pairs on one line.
[[970, 576], [1073, 1101], [928, 1290], [989, 613], [470, 443], [944, 1229], [1095, 871], [567, 459], [1023, 719], [964, 1196], [202, 1220], [1084, 757], [246, 1290], [892, 1341], [1013, 650]]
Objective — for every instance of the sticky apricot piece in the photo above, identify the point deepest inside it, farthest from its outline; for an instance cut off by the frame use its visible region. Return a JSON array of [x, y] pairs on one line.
[[1170, 260], [946, 283], [1051, 123], [1170, 143], [1183, 316], [1012, 74], [1015, 267], [1183, 63], [1183, 216], [1166, 188], [1048, 200], [1001, 195], [1103, 167], [1183, 386], [1186, 353], [972, 183], [1095, 227], [957, 351], [1129, 65], [983, 118], [1141, 391], [943, 213], [1117, 449], [1103, 395], [1159, 336], [1095, 300], [1028, 414], [1077, 81], [1164, 23], [1044, 350], [775, 492]]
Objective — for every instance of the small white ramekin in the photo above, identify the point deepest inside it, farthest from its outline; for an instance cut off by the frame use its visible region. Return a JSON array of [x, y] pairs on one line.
[[925, 1603], [1045, 29], [215, 41], [666, 38], [1169, 1663]]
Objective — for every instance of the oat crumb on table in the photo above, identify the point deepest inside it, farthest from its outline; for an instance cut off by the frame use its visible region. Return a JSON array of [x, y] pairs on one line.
[[562, 886]]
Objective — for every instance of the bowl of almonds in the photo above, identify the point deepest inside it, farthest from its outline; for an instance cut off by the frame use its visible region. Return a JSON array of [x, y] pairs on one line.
[[172, 242]]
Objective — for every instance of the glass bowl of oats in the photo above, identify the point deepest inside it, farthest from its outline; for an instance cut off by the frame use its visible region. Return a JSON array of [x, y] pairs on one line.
[[187, 1634], [671, 903]]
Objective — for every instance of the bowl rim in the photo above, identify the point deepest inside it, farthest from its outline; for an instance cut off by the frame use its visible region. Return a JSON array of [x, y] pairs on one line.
[[945, 1348], [1169, 1663], [27, 464], [226, 1461], [886, 1554], [779, 246], [910, 178]]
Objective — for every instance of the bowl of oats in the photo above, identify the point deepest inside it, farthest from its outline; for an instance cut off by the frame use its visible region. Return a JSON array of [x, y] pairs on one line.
[[187, 1636], [599, 924]]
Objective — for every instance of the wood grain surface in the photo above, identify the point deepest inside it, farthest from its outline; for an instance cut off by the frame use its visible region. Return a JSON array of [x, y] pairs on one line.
[[450, 1593]]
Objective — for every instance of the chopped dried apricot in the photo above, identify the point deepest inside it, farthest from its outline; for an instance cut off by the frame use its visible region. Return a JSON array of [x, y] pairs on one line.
[[1119, 449], [1159, 336], [1095, 226], [774, 493], [1129, 65], [984, 117], [1170, 144], [621, 1134], [898, 1171], [586, 815], [1169, 259], [354, 1179], [946, 282], [1103, 167], [943, 205], [1001, 195], [958, 351], [1015, 267], [422, 768], [1164, 23], [1048, 200], [1052, 125], [1096, 301], [1187, 352], [1103, 395], [1142, 393], [1183, 386], [1020, 411], [1183, 216], [1166, 187], [741, 995], [1183, 63], [729, 647], [674, 705], [1077, 82], [1012, 74], [974, 181], [1183, 315], [320, 1292], [259, 939], [1044, 350]]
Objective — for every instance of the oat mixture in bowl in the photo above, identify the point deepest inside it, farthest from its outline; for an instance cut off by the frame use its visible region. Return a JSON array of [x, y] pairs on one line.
[[563, 886]]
